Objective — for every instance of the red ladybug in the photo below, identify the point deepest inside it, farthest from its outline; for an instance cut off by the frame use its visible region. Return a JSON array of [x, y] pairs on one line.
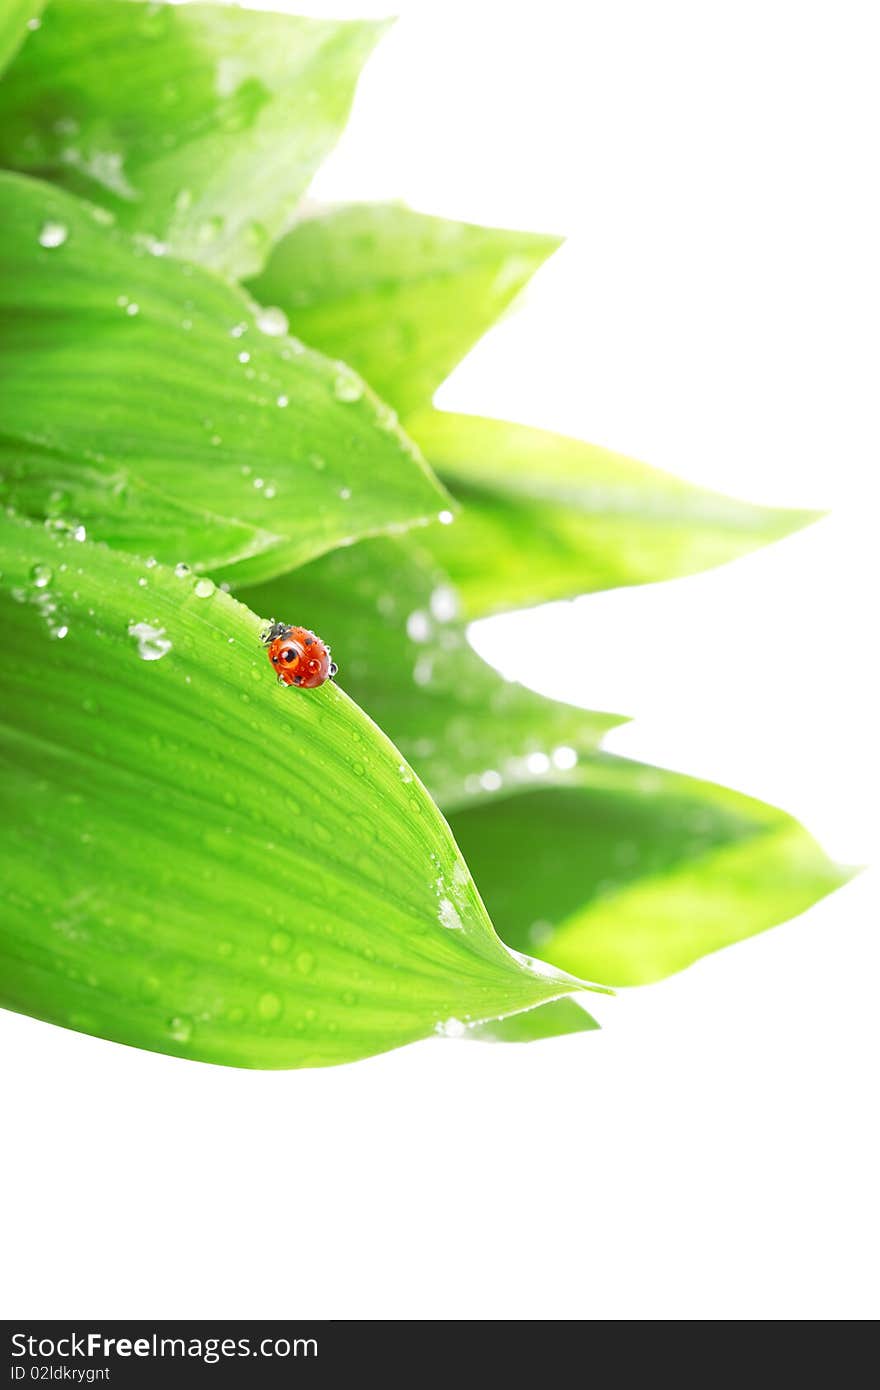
[[299, 657]]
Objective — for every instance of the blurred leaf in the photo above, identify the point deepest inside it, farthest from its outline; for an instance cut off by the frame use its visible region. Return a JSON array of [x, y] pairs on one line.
[[18, 18], [554, 1020], [399, 295], [637, 873], [201, 862], [143, 401], [392, 618], [198, 125], [544, 517]]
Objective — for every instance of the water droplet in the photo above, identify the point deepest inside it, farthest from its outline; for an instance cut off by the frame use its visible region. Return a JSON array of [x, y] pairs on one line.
[[269, 492], [450, 1028], [347, 387], [490, 780], [181, 570], [444, 603], [152, 643], [210, 229], [237, 330], [268, 1006], [272, 321], [34, 23], [41, 575], [180, 1028], [53, 234], [204, 587], [564, 758], [79, 533], [423, 671], [445, 518], [418, 626], [538, 763], [345, 493], [282, 402], [305, 962], [244, 357], [142, 583], [447, 915], [59, 632], [258, 482], [132, 309], [405, 774]]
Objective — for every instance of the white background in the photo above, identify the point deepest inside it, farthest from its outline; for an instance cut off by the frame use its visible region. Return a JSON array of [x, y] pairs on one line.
[[713, 1152]]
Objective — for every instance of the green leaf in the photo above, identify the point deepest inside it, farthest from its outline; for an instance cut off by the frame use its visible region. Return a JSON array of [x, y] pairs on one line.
[[198, 125], [402, 297], [399, 295], [636, 872], [143, 401], [18, 19], [544, 517], [392, 618], [200, 862], [559, 1018]]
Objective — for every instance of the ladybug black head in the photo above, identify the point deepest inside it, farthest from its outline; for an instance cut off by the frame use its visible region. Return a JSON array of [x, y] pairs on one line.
[[276, 630]]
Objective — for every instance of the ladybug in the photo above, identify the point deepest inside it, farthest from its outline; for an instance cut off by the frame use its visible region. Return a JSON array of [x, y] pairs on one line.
[[299, 657]]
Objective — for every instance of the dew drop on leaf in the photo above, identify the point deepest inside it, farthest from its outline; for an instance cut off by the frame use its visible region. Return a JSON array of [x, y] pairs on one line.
[[181, 570], [152, 643], [180, 1028], [450, 1028], [272, 321], [41, 575], [53, 234], [447, 915], [204, 587], [305, 962], [347, 387], [445, 518], [418, 627]]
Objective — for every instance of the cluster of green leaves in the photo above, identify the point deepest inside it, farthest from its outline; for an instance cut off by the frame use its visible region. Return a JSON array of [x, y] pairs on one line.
[[201, 430]]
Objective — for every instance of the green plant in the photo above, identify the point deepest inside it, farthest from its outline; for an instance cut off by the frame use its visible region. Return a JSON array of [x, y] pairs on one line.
[[197, 861]]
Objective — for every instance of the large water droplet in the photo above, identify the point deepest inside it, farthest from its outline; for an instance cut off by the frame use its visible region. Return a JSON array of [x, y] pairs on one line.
[[450, 1028], [152, 644], [418, 626], [347, 387], [53, 234], [445, 518], [447, 915], [272, 321], [204, 587], [444, 603]]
